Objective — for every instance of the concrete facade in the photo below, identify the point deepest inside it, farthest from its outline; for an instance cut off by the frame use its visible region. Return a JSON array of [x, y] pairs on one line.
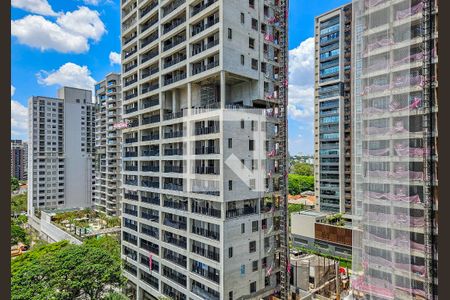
[[19, 159], [195, 166], [332, 106], [108, 142], [61, 145]]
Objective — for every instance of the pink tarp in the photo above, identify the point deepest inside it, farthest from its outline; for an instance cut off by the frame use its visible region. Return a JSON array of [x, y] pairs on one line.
[[410, 11]]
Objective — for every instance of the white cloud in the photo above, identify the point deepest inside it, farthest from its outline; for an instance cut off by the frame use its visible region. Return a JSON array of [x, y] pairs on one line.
[[114, 58], [83, 22], [37, 32], [69, 74], [301, 81], [13, 90], [92, 2], [40, 7], [70, 33], [19, 120]]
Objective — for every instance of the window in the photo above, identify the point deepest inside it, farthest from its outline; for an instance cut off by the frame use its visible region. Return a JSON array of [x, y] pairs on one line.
[[254, 24], [251, 145], [254, 125], [254, 165], [251, 3], [230, 252], [242, 18], [252, 247], [252, 184], [253, 287], [251, 43], [242, 163], [78, 100], [242, 269], [230, 143], [254, 226], [255, 265], [254, 64], [230, 185], [243, 228], [230, 33], [242, 124], [242, 60], [263, 67]]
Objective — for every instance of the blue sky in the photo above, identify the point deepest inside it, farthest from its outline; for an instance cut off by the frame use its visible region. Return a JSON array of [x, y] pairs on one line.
[[50, 48]]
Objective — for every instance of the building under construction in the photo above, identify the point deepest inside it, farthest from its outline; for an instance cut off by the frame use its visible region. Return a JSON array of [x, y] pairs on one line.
[[204, 89], [395, 136]]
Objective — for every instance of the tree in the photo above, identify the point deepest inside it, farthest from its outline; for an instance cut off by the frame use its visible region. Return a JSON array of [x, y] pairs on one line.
[[66, 271], [115, 296], [303, 169], [298, 184], [18, 203], [14, 184], [18, 235]]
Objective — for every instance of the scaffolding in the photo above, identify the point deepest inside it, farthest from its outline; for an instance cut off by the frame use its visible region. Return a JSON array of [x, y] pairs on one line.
[[395, 149]]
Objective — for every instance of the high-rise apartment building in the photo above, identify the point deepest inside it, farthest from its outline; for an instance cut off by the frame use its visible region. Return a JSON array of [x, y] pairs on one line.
[[108, 143], [332, 107], [204, 153], [19, 159], [395, 137], [61, 147]]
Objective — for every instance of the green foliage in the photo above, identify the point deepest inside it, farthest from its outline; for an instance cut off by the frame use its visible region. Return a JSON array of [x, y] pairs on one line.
[[112, 222], [18, 235], [18, 203], [293, 208], [298, 184], [14, 184], [65, 271], [115, 296], [303, 169]]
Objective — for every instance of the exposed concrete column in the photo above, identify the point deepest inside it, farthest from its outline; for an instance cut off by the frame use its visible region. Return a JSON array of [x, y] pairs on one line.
[[222, 89]]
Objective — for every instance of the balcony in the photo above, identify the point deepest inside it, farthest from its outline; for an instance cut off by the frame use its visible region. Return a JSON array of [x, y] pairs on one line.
[[207, 211], [174, 134], [171, 116], [182, 205], [213, 255], [149, 246], [131, 140], [146, 103], [206, 170], [176, 41], [150, 168], [150, 88], [130, 154], [131, 212], [175, 78], [130, 67], [128, 40], [202, 68], [204, 294], [151, 119], [175, 224], [149, 24], [174, 61], [178, 242], [150, 137], [173, 25], [173, 186], [172, 6], [205, 47], [130, 82], [207, 130], [150, 153], [215, 235], [237, 212], [150, 231], [149, 72], [131, 182], [173, 169], [149, 55], [174, 276], [206, 150], [128, 54], [199, 28], [177, 259], [170, 152], [205, 271], [198, 8], [129, 196], [150, 216], [150, 200], [150, 184], [149, 8], [131, 169]]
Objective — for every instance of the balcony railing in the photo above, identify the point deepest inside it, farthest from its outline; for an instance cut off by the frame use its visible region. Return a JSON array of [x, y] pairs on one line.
[[171, 116], [175, 224], [150, 72], [175, 79], [149, 88], [199, 28], [149, 8], [130, 82], [150, 184], [150, 153], [173, 134], [206, 253], [149, 216], [128, 40], [203, 68], [206, 170], [132, 169], [150, 103], [172, 6], [150, 24], [173, 43], [131, 212], [207, 130], [212, 212], [202, 6], [173, 25], [173, 186], [233, 213], [131, 182], [181, 261], [150, 168], [131, 140], [151, 200], [204, 47], [148, 56], [150, 137], [206, 273], [151, 119], [130, 154], [206, 150], [175, 204], [173, 169], [215, 235], [174, 61], [130, 67], [176, 242], [128, 54]]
